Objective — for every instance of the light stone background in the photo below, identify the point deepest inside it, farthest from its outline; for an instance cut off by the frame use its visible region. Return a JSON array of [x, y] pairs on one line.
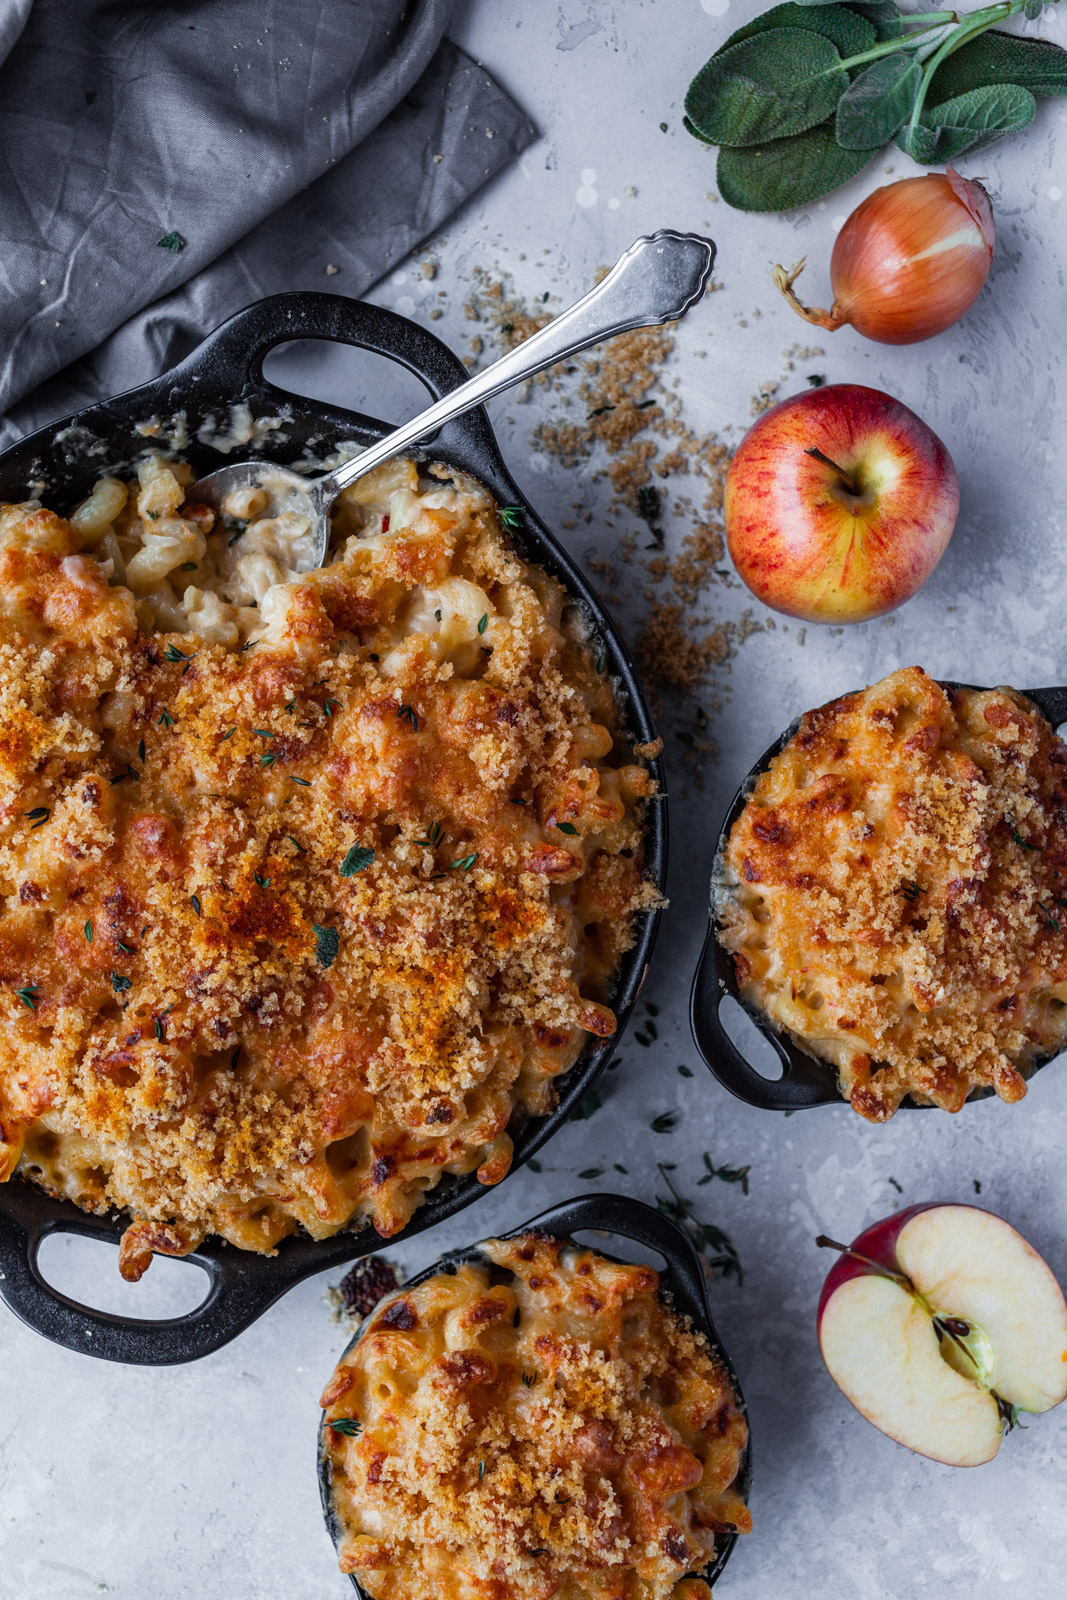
[[200, 1481]]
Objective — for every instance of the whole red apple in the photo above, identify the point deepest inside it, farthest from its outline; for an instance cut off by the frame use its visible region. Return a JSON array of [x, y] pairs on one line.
[[940, 1324], [839, 504]]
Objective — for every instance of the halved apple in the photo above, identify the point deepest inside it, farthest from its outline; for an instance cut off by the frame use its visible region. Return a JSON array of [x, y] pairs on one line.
[[939, 1324]]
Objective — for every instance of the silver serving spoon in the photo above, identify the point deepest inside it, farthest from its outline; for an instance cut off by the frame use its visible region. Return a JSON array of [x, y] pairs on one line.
[[658, 280]]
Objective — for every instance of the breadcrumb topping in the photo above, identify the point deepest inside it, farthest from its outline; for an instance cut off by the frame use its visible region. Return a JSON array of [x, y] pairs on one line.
[[894, 894], [292, 930], [539, 1423]]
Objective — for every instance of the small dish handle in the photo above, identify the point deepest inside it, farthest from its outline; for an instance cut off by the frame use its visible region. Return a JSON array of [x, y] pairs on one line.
[[241, 1286], [231, 358], [1052, 703], [804, 1081]]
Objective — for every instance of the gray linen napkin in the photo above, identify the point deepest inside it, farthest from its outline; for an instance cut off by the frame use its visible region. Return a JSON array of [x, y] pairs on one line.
[[272, 137]]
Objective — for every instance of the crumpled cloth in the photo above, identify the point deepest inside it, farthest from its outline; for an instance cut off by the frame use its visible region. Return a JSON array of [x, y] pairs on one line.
[[272, 138]]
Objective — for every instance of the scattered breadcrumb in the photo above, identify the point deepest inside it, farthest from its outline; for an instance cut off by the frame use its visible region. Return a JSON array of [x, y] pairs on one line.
[[616, 415]]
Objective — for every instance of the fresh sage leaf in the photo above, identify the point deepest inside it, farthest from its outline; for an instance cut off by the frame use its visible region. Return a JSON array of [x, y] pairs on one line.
[[851, 34], [787, 172], [770, 86], [884, 17], [876, 103], [814, 3], [967, 122], [992, 58]]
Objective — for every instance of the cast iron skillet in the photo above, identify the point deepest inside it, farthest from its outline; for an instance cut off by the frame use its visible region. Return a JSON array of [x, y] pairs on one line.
[[227, 369], [682, 1279], [805, 1080]]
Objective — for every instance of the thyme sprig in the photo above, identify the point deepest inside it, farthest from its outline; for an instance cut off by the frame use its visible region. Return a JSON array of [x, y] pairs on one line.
[[727, 1174], [348, 1426], [714, 1247]]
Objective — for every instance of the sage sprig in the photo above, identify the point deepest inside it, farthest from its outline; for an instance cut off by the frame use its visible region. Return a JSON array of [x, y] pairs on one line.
[[802, 98]]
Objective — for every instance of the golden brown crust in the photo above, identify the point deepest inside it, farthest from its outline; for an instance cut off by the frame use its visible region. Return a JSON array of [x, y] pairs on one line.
[[894, 892], [561, 1432], [221, 1010]]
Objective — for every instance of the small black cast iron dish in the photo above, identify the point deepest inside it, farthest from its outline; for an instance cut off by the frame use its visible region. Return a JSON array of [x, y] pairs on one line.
[[227, 370], [682, 1282], [805, 1080]]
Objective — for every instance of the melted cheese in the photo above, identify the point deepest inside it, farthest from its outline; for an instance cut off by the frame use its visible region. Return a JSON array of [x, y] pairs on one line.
[[560, 1432], [291, 931], [893, 892]]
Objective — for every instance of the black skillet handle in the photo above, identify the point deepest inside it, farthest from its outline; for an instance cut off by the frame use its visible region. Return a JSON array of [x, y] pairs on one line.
[[633, 1219], [232, 357], [241, 1287], [805, 1082], [1052, 703]]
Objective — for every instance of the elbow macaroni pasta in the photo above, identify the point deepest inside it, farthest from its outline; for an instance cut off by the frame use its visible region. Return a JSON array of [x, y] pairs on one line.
[[537, 1423], [293, 930]]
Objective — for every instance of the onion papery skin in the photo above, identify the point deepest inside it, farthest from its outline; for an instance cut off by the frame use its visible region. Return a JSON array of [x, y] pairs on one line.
[[913, 258]]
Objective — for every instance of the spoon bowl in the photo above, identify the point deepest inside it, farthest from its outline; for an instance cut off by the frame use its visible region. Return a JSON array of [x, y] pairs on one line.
[[659, 279]]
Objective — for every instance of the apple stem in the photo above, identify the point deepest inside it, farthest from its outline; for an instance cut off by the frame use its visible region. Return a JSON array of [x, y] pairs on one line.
[[902, 1278], [846, 477]]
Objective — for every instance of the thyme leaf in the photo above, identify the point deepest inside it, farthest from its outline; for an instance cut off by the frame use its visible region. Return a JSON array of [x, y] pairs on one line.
[[409, 715], [348, 1426], [26, 994], [587, 1107]]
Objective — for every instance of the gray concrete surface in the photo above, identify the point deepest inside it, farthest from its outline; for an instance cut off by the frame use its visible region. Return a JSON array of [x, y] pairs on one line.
[[200, 1481]]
